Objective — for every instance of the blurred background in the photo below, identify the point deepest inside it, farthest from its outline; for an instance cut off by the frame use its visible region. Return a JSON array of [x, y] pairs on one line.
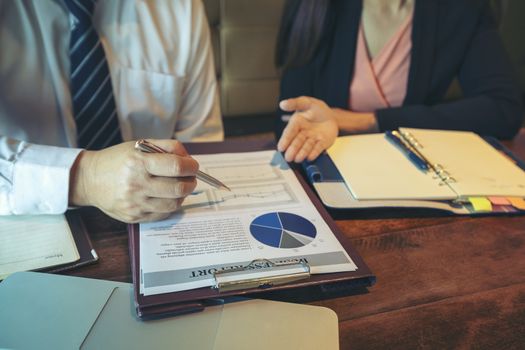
[[244, 34]]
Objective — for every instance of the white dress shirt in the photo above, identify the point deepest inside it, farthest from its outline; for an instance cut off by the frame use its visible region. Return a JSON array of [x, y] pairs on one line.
[[161, 65]]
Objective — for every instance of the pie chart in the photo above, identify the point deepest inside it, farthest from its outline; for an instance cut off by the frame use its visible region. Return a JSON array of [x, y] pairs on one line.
[[283, 230]]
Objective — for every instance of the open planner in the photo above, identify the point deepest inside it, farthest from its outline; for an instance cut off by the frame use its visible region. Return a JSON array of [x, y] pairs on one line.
[[461, 172], [50, 243], [269, 233]]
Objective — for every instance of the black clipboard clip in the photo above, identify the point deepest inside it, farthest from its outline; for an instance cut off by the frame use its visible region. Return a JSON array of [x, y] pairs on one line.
[[260, 273]]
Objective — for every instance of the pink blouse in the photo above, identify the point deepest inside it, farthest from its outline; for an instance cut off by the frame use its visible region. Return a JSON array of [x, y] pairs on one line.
[[382, 81]]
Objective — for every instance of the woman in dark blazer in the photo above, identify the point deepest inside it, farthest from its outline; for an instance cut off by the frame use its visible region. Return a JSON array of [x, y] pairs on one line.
[[449, 39]]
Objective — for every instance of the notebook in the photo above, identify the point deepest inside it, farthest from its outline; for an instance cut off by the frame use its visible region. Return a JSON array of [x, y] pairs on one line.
[[461, 165], [469, 174], [43, 242]]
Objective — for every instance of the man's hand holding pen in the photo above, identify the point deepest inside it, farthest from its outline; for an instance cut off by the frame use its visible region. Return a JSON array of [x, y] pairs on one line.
[[134, 186]]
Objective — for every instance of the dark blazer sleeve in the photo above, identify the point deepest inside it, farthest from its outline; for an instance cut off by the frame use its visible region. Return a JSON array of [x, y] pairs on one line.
[[295, 82], [491, 103]]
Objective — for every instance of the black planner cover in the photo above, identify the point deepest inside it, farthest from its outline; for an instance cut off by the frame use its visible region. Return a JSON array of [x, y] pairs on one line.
[[174, 303], [85, 249]]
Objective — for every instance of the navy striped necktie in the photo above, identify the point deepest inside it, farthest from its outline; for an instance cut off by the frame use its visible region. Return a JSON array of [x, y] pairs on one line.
[[90, 82]]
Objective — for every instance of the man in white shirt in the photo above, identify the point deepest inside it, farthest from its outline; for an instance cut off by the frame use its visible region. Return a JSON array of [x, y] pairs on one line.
[[163, 82]]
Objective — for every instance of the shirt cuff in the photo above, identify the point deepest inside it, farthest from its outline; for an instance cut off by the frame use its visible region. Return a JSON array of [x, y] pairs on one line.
[[41, 180]]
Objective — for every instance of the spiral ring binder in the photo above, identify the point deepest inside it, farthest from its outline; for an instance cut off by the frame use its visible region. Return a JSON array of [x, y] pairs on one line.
[[260, 273], [441, 174]]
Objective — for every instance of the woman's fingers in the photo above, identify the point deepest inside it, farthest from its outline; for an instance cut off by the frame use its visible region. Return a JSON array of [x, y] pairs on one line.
[[305, 150], [301, 103], [316, 150], [296, 140], [295, 147], [290, 132]]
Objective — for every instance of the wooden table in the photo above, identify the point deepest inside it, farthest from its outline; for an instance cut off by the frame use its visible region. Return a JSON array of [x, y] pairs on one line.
[[442, 281]]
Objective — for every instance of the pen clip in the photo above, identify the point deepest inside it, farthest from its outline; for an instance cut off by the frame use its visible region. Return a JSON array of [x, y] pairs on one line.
[[146, 146]]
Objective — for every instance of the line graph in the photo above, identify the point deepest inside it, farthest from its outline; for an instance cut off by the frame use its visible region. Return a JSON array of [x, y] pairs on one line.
[[244, 173], [198, 201], [254, 196]]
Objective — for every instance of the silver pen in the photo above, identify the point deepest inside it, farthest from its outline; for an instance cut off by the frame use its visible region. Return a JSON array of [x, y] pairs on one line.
[[146, 146]]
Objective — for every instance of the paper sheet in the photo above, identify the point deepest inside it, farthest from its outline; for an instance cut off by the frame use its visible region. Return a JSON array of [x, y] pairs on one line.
[[267, 215], [35, 242], [478, 168], [374, 169]]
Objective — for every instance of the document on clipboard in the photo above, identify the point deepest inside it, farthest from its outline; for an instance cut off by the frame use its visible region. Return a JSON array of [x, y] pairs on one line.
[[268, 233], [266, 223]]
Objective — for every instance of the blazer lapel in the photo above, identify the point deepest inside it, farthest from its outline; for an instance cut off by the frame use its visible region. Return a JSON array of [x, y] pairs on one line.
[[424, 33]]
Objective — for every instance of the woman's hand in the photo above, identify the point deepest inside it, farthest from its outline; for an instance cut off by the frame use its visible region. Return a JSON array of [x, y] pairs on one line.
[[314, 127], [134, 186], [311, 129]]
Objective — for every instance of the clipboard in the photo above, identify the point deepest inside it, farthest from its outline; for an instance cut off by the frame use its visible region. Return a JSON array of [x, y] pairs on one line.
[[175, 303], [333, 192]]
